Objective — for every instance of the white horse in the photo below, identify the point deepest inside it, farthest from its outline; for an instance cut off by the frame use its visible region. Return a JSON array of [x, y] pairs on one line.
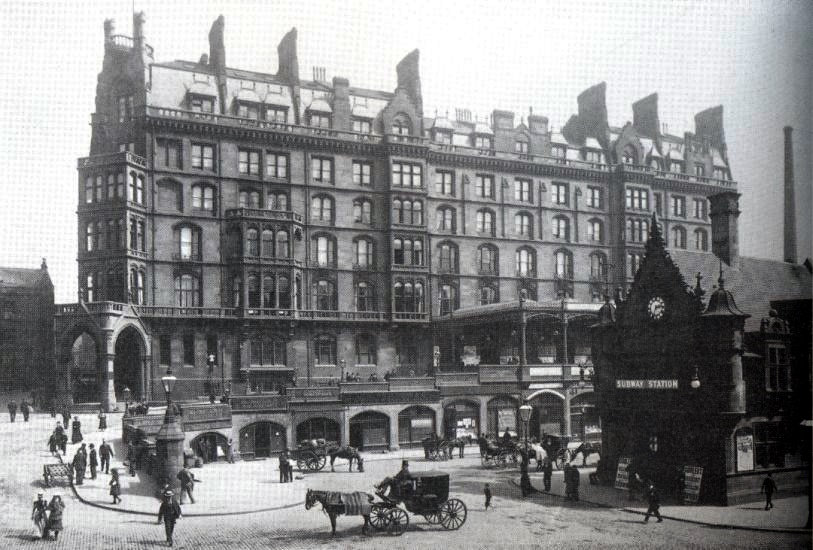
[[539, 454]]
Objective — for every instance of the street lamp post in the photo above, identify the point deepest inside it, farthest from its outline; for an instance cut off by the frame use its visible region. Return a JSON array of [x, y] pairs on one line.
[[169, 439], [125, 394], [436, 360], [525, 416], [695, 383]]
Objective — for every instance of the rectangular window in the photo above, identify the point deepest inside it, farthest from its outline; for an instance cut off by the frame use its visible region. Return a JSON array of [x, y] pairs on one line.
[[521, 147], [637, 198], [362, 173], [169, 152], [322, 169], [444, 182], [679, 206], [203, 156], [276, 114], [522, 190], [201, 104], [700, 209], [594, 197], [777, 377], [675, 167], [99, 188], [484, 186], [559, 194], [125, 104], [248, 110], [361, 126], [248, 162], [89, 189], [633, 263], [164, 350], [276, 165], [320, 120], [407, 175], [189, 350], [111, 187], [699, 170], [659, 204], [592, 156], [120, 185], [720, 173], [482, 142], [558, 151]]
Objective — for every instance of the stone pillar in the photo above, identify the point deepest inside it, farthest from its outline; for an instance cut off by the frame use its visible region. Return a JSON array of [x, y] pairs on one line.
[[290, 436], [566, 415], [483, 417], [393, 432], [345, 435], [169, 449]]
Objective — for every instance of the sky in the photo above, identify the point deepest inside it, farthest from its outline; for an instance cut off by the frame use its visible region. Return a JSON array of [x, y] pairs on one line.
[[753, 57]]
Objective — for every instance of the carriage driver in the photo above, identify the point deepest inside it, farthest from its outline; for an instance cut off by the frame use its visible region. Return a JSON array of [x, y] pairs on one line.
[[396, 482]]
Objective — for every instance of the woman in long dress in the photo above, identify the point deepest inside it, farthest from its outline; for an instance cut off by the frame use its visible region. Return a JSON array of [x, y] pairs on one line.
[[102, 420], [56, 508], [76, 431], [39, 515], [115, 486]]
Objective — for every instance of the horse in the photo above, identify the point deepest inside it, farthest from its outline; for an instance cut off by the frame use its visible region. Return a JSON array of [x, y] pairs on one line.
[[347, 453], [334, 504], [586, 449], [539, 454]]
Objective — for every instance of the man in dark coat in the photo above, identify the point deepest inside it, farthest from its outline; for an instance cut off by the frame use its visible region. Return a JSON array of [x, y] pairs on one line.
[[283, 467], [169, 512], [654, 504], [769, 488], [131, 457], [25, 408], [187, 480], [94, 462], [547, 473], [574, 482], [105, 452], [79, 464], [66, 417], [12, 410]]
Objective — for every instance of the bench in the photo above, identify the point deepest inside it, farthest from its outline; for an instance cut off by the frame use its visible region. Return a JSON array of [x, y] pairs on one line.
[[53, 472]]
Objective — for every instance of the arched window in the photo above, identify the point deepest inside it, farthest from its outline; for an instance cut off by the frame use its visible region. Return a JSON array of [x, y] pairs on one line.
[[701, 240], [407, 251], [90, 290], [363, 211], [485, 221], [364, 252], [561, 228], [323, 250], [678, 237], [656, 164], [237, 291], [89, 232], [365, 349], [487, 260], [322, 208], [187, 290], [417, 213], [110, 237], [629, 155], [448, 298], [446, 219], [525, 262], [447, 257], [488, 294], [594, 231], [137, 286], [523, 225], [408, 296], [397, 211], [417, 252], [323, 293], [269, 291], [564, 264], [187, 239], [365, 296], [97, 237], [252, 242], [324, 350], [282, 247], [203, 197], [277, 200], [401, 125], [598, 266], [249, 199], [268, 243], [253, 283], [283, 292]]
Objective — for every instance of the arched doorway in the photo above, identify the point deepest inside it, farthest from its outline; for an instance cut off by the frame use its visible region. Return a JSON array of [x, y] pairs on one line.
[[262, 439], [210, 446], [502, 415], [584, 419], [84, 369], [547, 416], [461, 419], [370, 430], [128, 365], [415, 424], [318, 428]]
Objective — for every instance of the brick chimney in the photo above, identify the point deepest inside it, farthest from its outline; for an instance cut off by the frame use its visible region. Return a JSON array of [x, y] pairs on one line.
[[790, 200], [724, 212], [217, 58]]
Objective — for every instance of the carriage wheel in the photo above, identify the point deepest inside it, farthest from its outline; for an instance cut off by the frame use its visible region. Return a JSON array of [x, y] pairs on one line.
[[561, 458], [399, 521], [453, 514], [432, 517], [315, 463], [485, 460], [501, 462], [379, 517]]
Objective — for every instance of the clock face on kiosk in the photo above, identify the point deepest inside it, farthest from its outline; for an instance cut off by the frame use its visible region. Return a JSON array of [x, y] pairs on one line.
[[657, 308]]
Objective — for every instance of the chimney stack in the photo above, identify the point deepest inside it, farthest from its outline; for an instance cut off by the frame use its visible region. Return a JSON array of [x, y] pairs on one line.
[[790, 201]]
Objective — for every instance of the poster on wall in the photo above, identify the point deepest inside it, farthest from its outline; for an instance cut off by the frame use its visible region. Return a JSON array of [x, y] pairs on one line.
[[745, 452], [622, 476], [692, 476], [506, 420]]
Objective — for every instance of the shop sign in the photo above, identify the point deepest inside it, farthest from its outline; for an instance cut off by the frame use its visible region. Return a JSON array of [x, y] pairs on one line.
[[692, 476], [646, 384], [421, 422], [745, 452], [506, 420], [622, 476]]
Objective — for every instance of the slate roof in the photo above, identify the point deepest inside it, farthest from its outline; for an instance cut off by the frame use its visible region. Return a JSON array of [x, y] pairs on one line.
[[753, 282], [18, 277]]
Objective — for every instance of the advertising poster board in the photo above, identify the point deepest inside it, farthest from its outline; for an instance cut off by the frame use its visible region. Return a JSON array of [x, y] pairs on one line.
[[745, 452], [693, 475], [622, 476]]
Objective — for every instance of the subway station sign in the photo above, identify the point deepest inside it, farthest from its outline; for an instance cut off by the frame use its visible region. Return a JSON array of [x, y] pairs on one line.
[[646, 384]]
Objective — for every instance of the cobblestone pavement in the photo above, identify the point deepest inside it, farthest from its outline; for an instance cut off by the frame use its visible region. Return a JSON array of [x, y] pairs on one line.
[[511, 524]]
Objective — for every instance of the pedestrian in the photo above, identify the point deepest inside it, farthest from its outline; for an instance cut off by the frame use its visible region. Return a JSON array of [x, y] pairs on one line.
[[76, 431], [94, 462], [769, 488], [52, 409], [525, 479], [102, 420], [654, 504], [25, 408], [79, 464], [105, 452], [574, 482], [66, 417], [203, 448], [12, 410], [53, 445], [230, 451], [187, 479], [115, 486], [547, 473], [283, 466], [290, 472], [169, 511], [487, 494], [39, 515], [131, 458], [461, 444], [55, 510]]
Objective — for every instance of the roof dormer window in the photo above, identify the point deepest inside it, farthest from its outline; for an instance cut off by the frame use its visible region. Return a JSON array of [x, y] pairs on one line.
[[201, 103], [558, 151], [591, 155], [443, 136], [482, 142], [246, 109], [521, 147]]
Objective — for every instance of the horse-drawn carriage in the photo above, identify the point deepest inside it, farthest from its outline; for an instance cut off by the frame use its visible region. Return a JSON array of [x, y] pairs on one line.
[[498, 452], [560, 450], [311, 454], [425, 494], [435, 448]]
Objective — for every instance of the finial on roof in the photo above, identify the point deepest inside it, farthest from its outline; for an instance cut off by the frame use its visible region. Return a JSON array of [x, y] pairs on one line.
[[720, 278], [44, 265], [447, 113], [436, 113]]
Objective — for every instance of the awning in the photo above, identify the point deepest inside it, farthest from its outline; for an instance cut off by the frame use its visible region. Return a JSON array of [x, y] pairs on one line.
[[483, 129], [363, 111], [248, 95], [279, 99], [442, 123], [202, 88], [674, 154], [320, 105], [592, 143]]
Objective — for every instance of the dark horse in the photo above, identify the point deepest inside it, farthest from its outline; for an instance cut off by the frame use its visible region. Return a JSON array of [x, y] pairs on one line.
[[347, 453], [333, 505], [586, 449]]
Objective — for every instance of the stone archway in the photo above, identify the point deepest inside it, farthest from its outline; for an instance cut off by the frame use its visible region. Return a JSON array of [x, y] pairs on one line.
[[129, 364], [370, 430], [84, 368], [547, 415], [415, 423]]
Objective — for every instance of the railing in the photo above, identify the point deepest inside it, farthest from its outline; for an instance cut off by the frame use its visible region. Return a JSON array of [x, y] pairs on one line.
[[364, 387], [499, 373], [409, 316], [66, 309], [143, 254], [412, 384], [277, 215], [411, 140], [259, 402], [524, 157], [193, 257], [694, 179], [122, 41], [112, 158], [312, 394], [266, 312], [105, 307], [236, 258], [457, 379], [199, 312]]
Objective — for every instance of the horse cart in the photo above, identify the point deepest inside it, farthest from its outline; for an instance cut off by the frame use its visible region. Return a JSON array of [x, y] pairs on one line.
[[556, 448], [498, 452], [311, 454], [427, 495]]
